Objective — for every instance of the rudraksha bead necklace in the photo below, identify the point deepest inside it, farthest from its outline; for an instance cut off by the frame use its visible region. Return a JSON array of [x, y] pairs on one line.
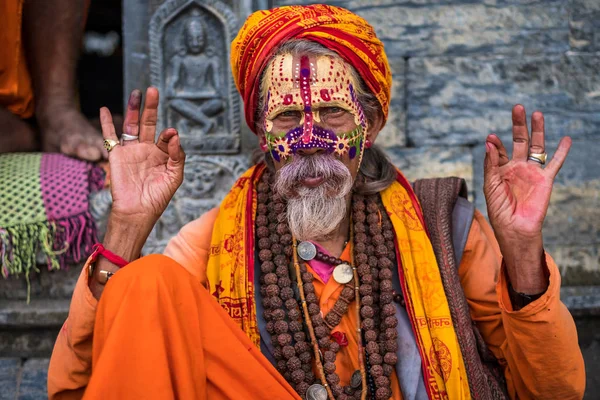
[[374, 256]]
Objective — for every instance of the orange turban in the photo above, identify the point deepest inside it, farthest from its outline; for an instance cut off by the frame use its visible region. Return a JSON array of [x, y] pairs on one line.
[[336, 28]]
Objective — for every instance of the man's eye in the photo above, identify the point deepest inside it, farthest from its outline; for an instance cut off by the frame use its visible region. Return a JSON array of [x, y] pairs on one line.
[[289, 114], [333, 111]]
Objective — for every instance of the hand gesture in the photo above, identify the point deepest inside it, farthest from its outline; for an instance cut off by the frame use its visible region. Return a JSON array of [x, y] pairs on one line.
[[517, 190], [144, 174]]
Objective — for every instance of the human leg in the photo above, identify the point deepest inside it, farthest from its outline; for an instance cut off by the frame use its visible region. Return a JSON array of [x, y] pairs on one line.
[[52, 36], [160, 334], [15, 134]]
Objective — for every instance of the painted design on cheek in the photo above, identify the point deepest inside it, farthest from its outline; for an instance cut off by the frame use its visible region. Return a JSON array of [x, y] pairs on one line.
[[342, 146], [305, 93], [280, 149]]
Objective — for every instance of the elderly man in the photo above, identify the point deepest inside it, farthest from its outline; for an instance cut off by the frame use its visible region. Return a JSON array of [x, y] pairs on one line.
[[316, 278]]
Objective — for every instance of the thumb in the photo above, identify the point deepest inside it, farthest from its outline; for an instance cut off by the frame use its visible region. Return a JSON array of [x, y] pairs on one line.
[[491, 173], [176, 160]]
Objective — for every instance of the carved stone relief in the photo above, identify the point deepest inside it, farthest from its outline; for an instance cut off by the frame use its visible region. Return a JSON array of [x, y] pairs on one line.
[[182, 47], [189, 64], [207, 179]]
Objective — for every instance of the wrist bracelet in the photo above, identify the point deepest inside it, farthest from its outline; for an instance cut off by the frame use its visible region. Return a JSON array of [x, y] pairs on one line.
[[104, 275], [99, 249]]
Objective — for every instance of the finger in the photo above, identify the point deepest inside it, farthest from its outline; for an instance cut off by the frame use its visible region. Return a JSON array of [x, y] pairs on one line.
[[537, 133], [108, 127], [149, 116], [163, 139], [520, 133], [558, 159], [131, 123], [502, 153]]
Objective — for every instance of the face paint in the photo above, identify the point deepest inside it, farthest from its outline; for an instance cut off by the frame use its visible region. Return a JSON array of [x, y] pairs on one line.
[[304, 86], [282, 147]]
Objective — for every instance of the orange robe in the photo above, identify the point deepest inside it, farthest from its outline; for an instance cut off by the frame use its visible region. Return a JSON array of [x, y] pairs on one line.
[[172, 354], [16, 92]]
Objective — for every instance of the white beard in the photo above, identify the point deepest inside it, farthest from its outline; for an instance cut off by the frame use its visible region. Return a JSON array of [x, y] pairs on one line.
[[315, 217], [314, 213]]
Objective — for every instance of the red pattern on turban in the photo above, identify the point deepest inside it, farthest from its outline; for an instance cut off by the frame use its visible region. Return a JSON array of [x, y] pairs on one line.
[[336, 28]]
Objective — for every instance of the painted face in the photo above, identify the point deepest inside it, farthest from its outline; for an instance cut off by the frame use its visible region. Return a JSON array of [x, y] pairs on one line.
[[311, 104]]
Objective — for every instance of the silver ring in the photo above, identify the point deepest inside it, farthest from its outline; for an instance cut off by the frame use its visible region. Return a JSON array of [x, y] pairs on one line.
[[127, 137], [537, 160]]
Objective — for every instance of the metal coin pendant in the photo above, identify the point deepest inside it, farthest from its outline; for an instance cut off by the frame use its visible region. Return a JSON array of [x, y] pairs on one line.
[[356, 380], [316, 392], [307, 251], [343, 273]]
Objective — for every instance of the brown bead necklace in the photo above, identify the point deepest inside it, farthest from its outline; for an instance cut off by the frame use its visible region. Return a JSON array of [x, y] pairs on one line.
[[320, 331], [288, 322]]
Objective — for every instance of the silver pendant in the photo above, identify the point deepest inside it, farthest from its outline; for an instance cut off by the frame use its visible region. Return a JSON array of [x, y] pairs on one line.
[[356, 380], [307, 251], [343, 273], [316, 392]]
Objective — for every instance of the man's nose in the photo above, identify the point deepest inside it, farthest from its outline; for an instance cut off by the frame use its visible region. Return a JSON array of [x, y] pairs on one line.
[[311, 151]]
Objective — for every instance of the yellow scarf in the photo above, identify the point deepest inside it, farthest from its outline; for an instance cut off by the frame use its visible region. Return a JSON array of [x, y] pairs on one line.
[[231, 265]]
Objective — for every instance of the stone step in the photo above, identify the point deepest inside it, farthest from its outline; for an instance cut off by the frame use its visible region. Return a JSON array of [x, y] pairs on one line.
[[30, 330], [23, 379], [38, 314]]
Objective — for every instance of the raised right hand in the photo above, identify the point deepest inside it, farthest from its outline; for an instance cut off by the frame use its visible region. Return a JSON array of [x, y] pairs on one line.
[[144, 174]]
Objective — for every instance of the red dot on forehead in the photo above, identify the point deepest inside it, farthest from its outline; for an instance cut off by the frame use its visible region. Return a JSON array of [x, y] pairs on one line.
[[287, 99]]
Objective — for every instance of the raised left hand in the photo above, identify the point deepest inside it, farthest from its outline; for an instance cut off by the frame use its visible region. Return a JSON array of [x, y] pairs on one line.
[[517, 193]]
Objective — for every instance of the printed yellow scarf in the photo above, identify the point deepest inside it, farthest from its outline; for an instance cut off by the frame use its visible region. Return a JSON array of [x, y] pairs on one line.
[[231, 266]]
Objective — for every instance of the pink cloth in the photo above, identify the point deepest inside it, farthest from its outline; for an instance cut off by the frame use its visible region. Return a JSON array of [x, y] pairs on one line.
[[322, 269]]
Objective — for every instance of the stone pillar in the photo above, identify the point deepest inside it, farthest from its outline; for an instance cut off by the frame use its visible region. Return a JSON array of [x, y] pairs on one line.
[[182, 47]]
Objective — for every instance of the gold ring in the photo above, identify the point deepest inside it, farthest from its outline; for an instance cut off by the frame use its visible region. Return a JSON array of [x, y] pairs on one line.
[[110, 144], [538, 157]]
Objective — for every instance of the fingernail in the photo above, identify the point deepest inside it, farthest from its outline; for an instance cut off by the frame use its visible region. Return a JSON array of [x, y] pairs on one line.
[[134, 99], [488, 147]]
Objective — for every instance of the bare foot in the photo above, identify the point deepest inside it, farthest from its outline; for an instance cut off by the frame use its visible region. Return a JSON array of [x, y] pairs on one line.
[[67, 131], [15, 134]]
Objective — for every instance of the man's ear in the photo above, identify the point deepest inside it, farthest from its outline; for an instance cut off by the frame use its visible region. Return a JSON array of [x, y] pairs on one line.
[[376, 126], [262, 142]]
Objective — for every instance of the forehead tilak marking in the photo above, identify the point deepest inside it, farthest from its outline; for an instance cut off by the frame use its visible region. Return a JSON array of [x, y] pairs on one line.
[[305, 93]]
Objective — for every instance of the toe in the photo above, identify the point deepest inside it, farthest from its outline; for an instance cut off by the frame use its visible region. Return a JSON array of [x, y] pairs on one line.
[[68, 147], [88, 152]]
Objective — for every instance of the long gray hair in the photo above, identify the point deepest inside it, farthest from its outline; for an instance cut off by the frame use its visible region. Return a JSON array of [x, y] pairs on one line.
[[376, 172]]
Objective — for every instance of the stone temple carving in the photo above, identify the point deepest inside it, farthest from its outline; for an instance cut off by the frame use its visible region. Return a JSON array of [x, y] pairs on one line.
[[207, 179], [189, 63], [182, 47]]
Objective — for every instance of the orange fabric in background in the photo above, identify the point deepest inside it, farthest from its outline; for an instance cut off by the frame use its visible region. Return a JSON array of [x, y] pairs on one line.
[[179, 343], [16, 91]]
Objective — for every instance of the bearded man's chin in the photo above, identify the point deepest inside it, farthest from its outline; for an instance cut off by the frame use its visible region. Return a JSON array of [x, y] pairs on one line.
[[315, 218]]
